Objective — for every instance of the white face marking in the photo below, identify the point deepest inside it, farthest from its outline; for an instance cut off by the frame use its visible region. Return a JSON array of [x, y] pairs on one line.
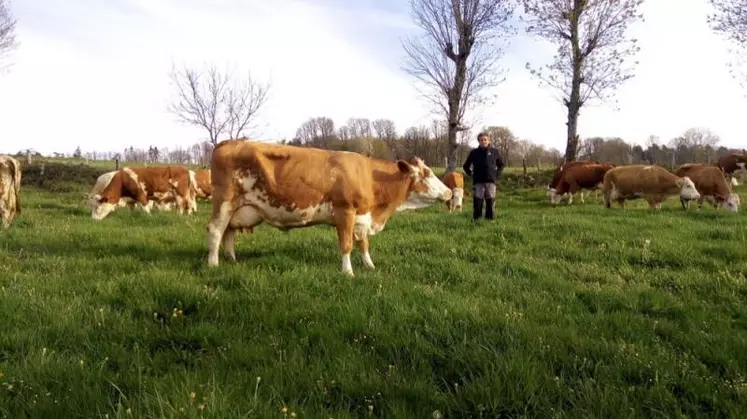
[[555, 197], [688, 190], [732, 203], [741, 165], [457, 197], [102, 210], [347, 267], [436, 191]]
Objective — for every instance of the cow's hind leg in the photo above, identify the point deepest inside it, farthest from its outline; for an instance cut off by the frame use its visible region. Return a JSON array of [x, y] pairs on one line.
[[344, 222], [363, 247], [215, 229]]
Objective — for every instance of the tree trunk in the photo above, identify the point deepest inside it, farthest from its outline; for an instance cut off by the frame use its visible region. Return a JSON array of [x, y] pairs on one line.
[[451, 148], [573, 103]]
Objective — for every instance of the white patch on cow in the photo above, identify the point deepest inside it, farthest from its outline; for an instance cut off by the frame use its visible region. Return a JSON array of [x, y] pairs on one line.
[[362, 226], [734, 181], [347, 267], [367, 260], [132, 174], [436, 191], [688, 190], [741, 165], [732, 203], [282, 217], [614, 193]]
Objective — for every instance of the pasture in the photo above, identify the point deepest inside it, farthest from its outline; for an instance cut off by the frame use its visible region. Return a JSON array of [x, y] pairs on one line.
[[566, 312]]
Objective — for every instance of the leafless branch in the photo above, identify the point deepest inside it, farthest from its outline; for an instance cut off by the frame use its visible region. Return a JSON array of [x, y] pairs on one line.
[[7, 30], [212, 100], [454, 58]]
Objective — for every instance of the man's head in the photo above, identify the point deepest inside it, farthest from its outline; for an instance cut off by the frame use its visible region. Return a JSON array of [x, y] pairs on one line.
[[484, 139]]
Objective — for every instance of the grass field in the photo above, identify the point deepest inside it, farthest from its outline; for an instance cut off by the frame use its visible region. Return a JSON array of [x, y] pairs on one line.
[[567, 312]]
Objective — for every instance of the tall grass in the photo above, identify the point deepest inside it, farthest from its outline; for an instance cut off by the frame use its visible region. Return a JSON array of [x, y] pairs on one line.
[[566, 312]]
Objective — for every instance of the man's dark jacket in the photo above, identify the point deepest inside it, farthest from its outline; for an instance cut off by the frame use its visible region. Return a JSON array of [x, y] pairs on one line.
[[487, 165]]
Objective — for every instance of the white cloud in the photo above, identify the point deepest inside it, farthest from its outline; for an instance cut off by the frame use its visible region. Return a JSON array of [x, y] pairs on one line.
[[94, 74]]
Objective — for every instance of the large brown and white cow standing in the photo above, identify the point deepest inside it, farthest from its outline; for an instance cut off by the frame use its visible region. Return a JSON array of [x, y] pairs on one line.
[[551, 188], [292, 187], [145, 185], [454, 181], [10, 189], [577, 178], [651, 182], [712, 185]]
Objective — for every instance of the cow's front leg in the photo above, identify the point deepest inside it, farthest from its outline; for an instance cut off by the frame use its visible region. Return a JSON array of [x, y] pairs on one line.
[[363, 247], [344, 222]]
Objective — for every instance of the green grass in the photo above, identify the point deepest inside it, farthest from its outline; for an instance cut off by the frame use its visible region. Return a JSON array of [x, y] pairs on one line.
[[567, 312]]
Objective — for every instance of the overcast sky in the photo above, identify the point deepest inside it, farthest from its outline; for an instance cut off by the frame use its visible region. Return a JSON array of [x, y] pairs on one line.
[[93, 73]]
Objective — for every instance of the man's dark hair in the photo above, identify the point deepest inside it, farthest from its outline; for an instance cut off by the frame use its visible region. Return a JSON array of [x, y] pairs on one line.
[[482, 134]]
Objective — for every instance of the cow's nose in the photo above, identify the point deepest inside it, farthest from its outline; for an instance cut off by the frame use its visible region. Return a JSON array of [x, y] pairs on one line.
[[447, 195]]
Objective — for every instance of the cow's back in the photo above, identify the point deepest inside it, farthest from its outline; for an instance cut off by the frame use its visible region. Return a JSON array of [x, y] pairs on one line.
[[453, 180], [639, 178], [289, 177]]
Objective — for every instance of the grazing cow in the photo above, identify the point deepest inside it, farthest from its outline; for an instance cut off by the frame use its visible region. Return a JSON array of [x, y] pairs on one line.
[[10, 189], [730, 163], [559, 173], [293, 187], [201, 179], [711, 183], [168, 184], [454, 181], [576, 178], [103, 181], [652, 182]]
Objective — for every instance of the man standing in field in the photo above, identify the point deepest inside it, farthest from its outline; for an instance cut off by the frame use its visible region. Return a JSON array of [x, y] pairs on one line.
[[485, 166]]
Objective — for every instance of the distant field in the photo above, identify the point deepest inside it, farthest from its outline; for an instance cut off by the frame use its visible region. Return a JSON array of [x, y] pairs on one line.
[[567, 312]]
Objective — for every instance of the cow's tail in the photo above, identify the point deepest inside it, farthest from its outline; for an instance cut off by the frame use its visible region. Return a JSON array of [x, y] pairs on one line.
[[15, 175]]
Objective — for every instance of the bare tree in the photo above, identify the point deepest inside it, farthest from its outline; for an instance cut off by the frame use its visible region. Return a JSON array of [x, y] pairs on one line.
[[213, 101], [7, 29], [592, 51], [454, 79], [730, 20], [504, 140], [385, 129]]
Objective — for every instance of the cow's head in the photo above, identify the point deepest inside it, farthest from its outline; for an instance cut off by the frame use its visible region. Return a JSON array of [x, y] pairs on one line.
[[425, 188], [555, 197], [687, 189], [732, 203], [457, 196], [102, 207]]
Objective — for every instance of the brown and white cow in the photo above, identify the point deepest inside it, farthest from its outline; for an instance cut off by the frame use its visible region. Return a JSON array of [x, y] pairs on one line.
[[578, 177], [103, 181], [454, 181], [293, 187], [651, 182], [551, 188], [10, 189], [162, 184], [731, 163], [712, 185], [201, 179]]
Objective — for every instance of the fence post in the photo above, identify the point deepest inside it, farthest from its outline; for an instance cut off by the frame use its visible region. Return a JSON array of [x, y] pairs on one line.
[[116, 164], [524, 165]]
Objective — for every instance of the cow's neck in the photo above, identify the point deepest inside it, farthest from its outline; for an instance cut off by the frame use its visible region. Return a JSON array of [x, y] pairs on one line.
[[391, 189]]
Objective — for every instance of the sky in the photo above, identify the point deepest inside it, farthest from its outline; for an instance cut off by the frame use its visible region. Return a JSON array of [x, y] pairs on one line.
[[94, 73]]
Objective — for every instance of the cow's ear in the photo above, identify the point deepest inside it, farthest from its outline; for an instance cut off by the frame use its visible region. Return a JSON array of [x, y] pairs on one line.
[[404, 167]]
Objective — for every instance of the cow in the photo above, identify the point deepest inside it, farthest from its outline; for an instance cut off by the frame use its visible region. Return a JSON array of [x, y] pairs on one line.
[[711, 184], [294, 187], [578, 177], [651, 182], [91, 198], [164, 184], [730, 163], [559, 173], [201, 179], [454, 181], [10, 189]]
